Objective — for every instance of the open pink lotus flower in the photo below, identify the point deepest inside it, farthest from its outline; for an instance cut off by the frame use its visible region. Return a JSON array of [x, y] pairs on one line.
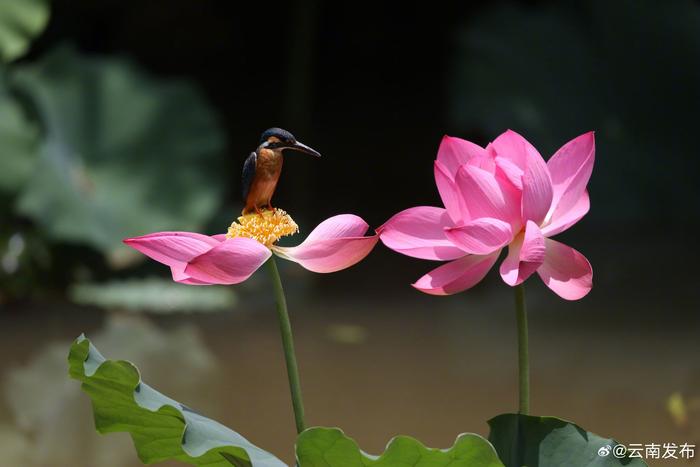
[[337, 243], [501, 195]]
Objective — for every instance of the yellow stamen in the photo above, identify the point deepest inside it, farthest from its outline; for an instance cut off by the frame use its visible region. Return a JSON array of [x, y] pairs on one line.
[[266, 227]]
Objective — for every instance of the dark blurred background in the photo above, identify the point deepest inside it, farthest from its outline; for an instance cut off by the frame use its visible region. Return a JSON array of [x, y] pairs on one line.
[[122, 118]]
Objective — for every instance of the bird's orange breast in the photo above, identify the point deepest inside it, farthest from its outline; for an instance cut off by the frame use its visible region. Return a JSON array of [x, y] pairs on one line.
[[267, 172], [268, 164]]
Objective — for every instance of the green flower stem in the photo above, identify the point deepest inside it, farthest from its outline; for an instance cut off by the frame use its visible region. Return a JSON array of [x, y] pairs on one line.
[[288, 345], [523, 352]]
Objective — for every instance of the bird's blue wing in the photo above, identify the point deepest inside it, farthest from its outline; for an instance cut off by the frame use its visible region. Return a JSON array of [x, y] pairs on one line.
[[248, 174]]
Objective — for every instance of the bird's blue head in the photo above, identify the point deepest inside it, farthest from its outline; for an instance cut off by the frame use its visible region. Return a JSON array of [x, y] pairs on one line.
[[279, 139]]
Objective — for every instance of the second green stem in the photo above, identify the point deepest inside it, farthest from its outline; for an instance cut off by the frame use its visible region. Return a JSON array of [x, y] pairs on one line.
[[523, 352], [288, 345]]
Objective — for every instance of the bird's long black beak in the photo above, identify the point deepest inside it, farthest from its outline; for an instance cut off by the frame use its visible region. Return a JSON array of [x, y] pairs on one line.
[[297, 146]]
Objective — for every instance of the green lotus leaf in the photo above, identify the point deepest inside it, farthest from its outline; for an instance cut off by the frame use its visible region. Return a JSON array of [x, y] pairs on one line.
[[551, 442], [122, 153], [19, 138], [20, 22], [154, 295], [329, 447], [160, 427]]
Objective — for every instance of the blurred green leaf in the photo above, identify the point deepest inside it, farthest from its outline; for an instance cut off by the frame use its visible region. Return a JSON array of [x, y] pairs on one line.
[[123, 153], [160, 427], [154, 295], [19, 138], [20, 22], [551, 442], [329, 447]]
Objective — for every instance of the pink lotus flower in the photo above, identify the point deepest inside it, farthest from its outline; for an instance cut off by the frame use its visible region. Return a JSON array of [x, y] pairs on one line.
[[337, 243], [501, 195]]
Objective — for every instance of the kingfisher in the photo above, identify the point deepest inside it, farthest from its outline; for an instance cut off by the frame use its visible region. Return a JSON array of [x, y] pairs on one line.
[[263, 167]]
